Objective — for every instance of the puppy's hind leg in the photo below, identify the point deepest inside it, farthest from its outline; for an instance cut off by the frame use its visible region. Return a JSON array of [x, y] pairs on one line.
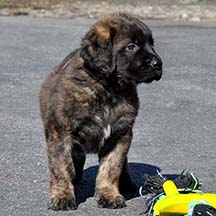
[[62, 171], [79, 158]]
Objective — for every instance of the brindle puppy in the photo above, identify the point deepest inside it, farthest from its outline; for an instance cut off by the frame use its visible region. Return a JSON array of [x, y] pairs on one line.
[[89, 104]]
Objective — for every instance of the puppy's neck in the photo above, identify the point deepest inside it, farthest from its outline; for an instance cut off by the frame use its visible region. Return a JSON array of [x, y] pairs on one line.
[[110, 82]]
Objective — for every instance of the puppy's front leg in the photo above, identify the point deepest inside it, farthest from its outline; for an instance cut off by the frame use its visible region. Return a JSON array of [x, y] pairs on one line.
[[112, 158], [62, 172]]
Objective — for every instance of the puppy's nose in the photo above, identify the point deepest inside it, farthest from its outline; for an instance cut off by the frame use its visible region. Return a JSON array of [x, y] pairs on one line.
[[156, 63]]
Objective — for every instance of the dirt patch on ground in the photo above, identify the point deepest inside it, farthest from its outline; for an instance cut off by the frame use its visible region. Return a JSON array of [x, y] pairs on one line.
[[192, 10]]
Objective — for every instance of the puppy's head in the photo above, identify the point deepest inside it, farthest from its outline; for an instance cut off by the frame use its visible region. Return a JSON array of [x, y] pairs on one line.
[[122, 46]]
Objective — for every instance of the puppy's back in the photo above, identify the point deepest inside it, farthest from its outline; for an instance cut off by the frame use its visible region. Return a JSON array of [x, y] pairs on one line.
[[50, 84]]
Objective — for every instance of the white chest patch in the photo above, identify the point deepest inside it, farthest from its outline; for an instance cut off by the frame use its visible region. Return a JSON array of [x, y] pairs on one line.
[[107, 132]]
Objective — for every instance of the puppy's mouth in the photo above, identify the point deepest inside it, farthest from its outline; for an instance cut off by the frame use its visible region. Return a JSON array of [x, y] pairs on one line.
[[155, 78], [142, 76], [150, 76], [148, 81]]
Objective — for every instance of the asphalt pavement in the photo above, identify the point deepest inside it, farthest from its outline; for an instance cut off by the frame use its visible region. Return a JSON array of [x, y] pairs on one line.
[[175, 128]]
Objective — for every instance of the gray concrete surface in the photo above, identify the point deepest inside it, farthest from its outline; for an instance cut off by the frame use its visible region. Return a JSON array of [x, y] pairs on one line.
[[175, 129]]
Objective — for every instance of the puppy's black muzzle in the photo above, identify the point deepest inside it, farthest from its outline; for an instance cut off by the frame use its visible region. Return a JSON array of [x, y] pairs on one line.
[[155, 64]]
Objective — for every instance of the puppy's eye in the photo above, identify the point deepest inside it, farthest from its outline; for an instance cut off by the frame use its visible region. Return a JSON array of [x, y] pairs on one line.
[[132, 47]]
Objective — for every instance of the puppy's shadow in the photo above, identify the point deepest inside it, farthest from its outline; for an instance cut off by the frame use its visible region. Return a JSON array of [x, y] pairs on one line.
[[86, 188]]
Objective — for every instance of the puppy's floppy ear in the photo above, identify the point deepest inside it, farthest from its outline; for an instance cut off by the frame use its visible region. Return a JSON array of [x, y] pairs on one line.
[[97, 46]]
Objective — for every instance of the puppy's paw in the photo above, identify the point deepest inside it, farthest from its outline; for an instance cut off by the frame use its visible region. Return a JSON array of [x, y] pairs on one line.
[[66, 203], [112, 203]]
